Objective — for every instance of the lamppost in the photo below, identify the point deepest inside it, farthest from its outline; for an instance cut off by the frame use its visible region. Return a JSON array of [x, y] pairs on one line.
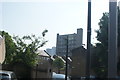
[[88, 60], [112, 39], [66, 68], [36, 71]]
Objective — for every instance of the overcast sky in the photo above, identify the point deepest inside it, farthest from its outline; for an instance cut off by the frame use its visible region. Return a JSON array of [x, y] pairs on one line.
[[57, 16]]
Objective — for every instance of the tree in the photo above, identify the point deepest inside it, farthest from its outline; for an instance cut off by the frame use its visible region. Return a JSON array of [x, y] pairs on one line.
[[23, 50], [102, 33], [58, 63], [27, 48], [100, 51], [10, 47], [99, 60]]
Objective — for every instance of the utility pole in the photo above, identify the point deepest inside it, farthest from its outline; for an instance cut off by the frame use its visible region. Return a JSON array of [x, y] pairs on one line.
[[66, 70], [112, 40], [36, 72], [88, 60]]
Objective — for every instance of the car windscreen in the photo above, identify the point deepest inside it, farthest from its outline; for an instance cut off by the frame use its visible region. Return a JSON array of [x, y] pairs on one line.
[[4, 76]]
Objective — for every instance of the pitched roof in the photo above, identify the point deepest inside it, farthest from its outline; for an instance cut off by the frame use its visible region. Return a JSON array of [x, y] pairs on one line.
[[43, 53]]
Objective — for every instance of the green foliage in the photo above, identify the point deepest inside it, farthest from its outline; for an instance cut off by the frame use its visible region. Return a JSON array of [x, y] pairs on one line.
[[10, 47], [100, 51], [58, 63], [103, 31], [27, 47], [23, 50], [99, 60], [44, 32]]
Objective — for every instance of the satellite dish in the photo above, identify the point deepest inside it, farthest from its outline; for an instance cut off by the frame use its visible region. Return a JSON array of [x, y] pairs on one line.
[[2, 49]]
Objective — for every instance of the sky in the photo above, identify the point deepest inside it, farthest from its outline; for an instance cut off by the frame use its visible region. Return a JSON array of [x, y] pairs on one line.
[[23, 17]]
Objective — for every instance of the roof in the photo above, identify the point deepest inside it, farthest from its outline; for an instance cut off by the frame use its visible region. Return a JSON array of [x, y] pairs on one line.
[[43, 53], [4, 71], [79, 51], [58, 75]]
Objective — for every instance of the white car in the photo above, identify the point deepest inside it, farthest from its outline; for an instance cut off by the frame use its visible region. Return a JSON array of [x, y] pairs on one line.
[[7, 75], [59, 76]]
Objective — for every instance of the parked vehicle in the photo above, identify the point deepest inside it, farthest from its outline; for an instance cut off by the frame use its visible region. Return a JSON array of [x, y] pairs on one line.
[[7, 75], [91, 78], [59, 76]]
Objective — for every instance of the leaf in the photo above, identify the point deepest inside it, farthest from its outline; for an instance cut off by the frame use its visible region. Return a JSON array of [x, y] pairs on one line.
[[44, 32]]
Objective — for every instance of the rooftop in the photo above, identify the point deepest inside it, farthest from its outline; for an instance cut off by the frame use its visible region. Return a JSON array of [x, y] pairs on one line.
[[43, 53]]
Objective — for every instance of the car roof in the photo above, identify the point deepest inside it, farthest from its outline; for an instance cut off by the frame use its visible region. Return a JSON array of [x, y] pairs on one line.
[[6, 72], [58, 75]]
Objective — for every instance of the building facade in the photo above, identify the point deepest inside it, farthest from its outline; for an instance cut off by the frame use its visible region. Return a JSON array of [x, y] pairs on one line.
[[43, 70], [78, 62], [52, 51], [72, 40]]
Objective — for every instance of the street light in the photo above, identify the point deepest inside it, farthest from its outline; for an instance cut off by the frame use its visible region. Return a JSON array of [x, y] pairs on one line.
[[66, 70], [36, 71], [88, 61]]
